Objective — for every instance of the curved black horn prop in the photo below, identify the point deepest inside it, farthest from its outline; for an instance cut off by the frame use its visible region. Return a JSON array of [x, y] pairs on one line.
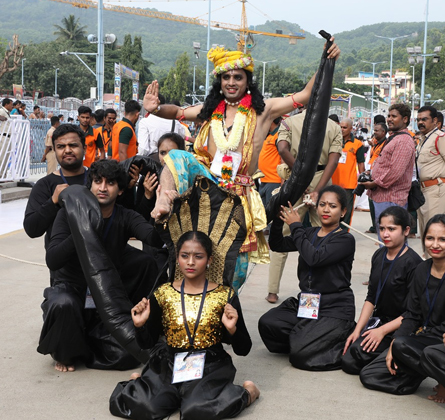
[[312, 136]]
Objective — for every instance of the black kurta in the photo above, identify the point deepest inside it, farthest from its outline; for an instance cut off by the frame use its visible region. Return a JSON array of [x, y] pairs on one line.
[[71, 332], [391, 304], [408, 348], [324, 266]]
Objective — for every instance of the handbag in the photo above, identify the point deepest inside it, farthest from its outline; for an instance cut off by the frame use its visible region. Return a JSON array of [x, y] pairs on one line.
[[416, 199]]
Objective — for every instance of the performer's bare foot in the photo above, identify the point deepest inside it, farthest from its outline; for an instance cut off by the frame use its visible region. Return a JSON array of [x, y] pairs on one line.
[[440, 395], [164, 202], [64, 368], [135, 375], [253, 391], [436, 388], [272, 298]]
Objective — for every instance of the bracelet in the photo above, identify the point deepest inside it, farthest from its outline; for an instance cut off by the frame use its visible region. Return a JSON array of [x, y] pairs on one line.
[[156, 110], [182, 117], [296, 104]]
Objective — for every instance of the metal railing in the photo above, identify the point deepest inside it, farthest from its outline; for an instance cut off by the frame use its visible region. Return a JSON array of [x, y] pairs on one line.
[[38, 130], [14, 150]]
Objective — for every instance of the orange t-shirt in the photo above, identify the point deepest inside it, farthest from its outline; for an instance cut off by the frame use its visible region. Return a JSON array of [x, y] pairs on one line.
[[93, 141], [269, 159], [132, 146], [346, 173]]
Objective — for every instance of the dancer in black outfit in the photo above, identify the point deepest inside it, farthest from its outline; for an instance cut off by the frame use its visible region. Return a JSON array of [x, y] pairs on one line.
[[324, 267], [399, 370], [391, 271]]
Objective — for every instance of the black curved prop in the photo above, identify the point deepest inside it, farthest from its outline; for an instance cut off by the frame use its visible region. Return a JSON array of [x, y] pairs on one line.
[[312, 137], [145, 163], [112, 303]]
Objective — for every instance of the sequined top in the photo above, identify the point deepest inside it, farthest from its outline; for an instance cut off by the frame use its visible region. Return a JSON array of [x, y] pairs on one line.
[[166, 319], [210, 326]]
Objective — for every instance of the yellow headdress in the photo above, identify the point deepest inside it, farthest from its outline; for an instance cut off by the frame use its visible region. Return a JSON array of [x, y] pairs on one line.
[[225, 60]]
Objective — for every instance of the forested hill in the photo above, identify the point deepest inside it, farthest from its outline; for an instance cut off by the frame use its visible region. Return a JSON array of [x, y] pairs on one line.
[[163, 41]]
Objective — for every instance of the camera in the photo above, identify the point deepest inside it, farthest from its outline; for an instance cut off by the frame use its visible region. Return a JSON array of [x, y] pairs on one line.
[[360, 189]]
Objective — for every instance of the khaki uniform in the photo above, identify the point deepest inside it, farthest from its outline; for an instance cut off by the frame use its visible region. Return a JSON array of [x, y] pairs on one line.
[[290, 131], [431, 167], [51, 161]]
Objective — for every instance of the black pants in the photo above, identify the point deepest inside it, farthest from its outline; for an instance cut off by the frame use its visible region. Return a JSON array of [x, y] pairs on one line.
[[312, 344], [154, 397], [355, 359], [407, 353], [433, 362]]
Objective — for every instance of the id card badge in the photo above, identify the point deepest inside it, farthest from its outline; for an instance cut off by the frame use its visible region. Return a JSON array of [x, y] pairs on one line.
[[216, 166], [343, 157], [309, 305], [89, 301], [188, 368]]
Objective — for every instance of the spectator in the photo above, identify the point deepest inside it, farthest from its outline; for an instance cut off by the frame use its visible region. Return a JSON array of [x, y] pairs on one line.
[[93, 138], [49, 155]]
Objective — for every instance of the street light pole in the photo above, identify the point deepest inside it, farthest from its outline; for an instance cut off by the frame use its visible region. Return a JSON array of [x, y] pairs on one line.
[[372, 92], [208, 48], [100, 54], [55, 82], [390, 66], [264, 72], [422, 89], [412, 98], [23, 73], [194, 84]]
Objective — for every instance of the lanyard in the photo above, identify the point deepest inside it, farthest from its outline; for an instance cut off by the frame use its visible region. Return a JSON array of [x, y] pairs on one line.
[[426, 139], [187, 329], [318, 246], [427, 293], [382, 284], [66, 182], [110, 222]]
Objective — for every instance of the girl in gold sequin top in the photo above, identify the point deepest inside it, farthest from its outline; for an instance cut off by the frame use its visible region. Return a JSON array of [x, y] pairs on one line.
[[192, 315]]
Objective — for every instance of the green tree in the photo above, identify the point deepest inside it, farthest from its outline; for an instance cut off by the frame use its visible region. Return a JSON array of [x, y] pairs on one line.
[[278, 81], [175, 85], [70, 30]]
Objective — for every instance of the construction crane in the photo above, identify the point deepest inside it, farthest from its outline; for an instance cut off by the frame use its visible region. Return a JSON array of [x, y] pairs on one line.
[[245, 38]]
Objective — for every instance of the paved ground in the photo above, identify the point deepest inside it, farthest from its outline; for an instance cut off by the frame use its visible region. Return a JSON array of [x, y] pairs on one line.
[[32, 389]]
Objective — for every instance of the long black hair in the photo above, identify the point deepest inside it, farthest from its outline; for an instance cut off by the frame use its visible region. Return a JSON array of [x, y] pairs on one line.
[[215, 97]]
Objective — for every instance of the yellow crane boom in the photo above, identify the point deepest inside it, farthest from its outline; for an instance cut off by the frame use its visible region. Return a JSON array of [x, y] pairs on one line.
[[245, 33]]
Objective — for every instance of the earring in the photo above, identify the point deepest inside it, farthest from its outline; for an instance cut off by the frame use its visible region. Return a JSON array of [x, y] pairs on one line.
[[248, 91], [208, 265], [221, 92]]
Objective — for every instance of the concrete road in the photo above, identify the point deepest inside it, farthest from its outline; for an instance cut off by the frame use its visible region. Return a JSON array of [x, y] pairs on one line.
[[31, 389]]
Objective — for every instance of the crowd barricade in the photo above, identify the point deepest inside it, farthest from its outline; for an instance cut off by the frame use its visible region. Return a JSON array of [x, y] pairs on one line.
[[14, 150], [38, 130]]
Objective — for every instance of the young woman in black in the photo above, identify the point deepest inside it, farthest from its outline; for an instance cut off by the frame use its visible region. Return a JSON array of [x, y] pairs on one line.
[[324, 271], [391, 269], [399, 370]]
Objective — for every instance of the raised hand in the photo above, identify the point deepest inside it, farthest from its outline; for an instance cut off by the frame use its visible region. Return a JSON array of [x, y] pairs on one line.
[[140, 313], [151, 100], [230, 318]]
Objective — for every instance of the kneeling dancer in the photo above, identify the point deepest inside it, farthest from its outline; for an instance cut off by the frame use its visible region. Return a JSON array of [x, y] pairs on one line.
[[190, 370], [313, 327]]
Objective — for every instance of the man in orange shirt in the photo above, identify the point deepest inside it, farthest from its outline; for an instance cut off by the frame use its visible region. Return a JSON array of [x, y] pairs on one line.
[[353, 155], [124, 141], [93, 138], [109, 119], [268, 161]]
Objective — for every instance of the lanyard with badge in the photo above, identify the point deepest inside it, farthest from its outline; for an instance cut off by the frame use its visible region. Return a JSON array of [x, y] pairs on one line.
[[309, 303], [89, 301], [428, 301], [189, 366], [375, 321], [66, 182]]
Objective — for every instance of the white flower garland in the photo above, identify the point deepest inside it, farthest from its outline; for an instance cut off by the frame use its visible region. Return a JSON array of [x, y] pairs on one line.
[[232, 142]]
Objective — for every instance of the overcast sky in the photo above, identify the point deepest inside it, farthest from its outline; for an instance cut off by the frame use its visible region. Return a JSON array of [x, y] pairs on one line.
[[312, 15]]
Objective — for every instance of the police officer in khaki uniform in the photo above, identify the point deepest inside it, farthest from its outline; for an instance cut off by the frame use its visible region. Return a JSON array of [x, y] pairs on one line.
[[289, 135], [430, 165]]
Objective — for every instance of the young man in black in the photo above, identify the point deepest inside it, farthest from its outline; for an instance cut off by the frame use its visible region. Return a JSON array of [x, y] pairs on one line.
[[41, 210], [72, 329]]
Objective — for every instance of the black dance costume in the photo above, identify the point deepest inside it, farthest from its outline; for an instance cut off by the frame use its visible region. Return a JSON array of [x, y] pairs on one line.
[[391, 302], [70, 332], [214, 396], [420, 333], [324, 266]]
